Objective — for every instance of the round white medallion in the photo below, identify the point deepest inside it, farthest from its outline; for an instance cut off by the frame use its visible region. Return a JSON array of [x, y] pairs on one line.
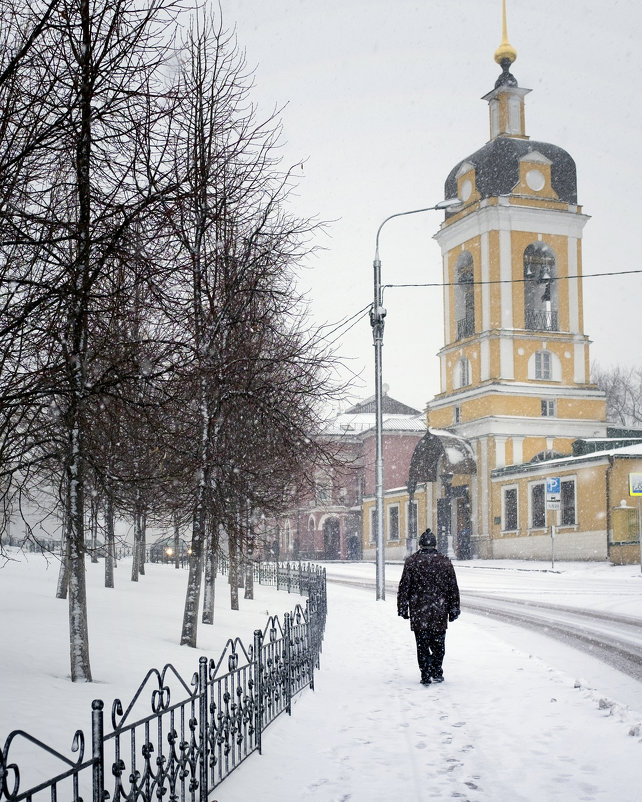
[[466, 189], [535, 180]]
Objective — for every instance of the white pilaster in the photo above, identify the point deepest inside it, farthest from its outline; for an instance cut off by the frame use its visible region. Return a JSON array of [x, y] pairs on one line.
[[573, 288], [579, 363], [506, 276]]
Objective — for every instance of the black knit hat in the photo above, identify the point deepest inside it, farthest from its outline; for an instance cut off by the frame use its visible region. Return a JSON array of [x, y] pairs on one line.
[[427, 540]]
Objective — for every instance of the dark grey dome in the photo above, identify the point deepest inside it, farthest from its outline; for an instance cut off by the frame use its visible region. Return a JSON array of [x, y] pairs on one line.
[[497, 168]]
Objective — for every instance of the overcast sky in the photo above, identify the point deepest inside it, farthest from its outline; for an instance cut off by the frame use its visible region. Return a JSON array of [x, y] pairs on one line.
[[383, 99]]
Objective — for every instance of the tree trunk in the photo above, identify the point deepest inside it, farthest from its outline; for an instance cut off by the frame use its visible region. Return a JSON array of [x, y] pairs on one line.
[[78, 309], [63, 573], [177, 542], [78, 626], [234, 571], [136, 546], [143, 543], [110, 542], [93, 522], [193, 594], [249, 579], [209, 588]]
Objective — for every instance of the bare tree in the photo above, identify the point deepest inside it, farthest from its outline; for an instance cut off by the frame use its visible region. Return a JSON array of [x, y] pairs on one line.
[[623, 388], [76, 183]]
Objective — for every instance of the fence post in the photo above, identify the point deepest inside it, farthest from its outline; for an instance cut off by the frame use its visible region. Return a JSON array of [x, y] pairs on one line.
[[300, 579], [311, 640], [287, 661], [202, 729], [289, 576], [97, 751], [258, 686]]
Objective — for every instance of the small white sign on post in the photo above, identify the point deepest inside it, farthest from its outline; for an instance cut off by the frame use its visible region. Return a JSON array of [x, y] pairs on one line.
[[553, 492]]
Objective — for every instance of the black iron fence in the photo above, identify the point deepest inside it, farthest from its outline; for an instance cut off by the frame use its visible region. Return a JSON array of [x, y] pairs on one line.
[[179, 739]]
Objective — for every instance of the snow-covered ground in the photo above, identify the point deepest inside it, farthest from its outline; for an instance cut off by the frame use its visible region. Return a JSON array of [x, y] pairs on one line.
[[517, 718]]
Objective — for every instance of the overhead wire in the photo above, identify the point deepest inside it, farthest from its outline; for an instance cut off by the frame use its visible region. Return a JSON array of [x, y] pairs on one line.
[[516, 280]]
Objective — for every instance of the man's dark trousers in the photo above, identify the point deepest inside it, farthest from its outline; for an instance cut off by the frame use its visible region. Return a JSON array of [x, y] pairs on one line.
[[431, 647]]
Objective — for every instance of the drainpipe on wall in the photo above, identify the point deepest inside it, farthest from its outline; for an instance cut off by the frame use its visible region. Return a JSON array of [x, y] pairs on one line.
[[608, 507]]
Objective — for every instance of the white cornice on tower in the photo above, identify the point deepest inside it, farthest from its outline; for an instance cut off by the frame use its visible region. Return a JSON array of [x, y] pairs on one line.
[[504, 216]]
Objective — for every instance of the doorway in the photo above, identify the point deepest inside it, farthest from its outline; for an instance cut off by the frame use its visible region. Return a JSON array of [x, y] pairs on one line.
[[331, 539]]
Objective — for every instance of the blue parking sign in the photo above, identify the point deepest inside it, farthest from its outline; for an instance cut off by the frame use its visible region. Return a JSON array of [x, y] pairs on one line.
[[553, 486]]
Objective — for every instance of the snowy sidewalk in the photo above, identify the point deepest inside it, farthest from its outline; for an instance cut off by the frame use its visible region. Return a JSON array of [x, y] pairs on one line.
[[504, 727]]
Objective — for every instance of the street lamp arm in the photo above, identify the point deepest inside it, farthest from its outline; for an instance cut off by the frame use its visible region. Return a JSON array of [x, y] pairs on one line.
[[445, 204]]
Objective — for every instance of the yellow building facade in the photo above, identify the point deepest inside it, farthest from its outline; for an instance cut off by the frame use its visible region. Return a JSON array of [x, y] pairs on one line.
[[515, 385]]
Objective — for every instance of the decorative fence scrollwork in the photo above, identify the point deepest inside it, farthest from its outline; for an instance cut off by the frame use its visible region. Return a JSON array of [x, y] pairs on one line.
[[190, 735]]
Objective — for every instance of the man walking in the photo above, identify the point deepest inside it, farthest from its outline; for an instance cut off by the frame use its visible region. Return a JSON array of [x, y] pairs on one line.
[[428, 594]]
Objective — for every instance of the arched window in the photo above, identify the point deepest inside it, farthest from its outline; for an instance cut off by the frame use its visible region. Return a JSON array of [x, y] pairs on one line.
[[464, 295], [540, 288], [544, 365], [461, 375]]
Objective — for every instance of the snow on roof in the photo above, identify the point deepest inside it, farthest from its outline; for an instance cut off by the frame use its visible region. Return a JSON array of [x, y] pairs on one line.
[[355, 424], [632, 451]]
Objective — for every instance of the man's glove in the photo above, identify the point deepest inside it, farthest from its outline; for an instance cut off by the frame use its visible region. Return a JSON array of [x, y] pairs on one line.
[[403, 613], [454, 614]]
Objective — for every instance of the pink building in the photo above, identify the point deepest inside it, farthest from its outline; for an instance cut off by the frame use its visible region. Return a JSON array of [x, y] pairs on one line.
[[326, 523]]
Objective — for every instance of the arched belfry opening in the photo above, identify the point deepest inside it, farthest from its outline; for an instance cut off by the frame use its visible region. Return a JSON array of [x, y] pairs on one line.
[[465, 295], [541, 310]]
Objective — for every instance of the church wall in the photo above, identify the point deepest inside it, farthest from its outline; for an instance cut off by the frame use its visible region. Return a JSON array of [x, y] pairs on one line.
[[601, 492], [568, 546]]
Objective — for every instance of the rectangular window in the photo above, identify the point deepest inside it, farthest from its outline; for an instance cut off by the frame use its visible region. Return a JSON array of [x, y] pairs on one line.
[[393, 523], [538, 506], [464, 372], [548, 409], [412, 520], [457, 415], [509, 509], [567, 503], [373, 524], [543, 365]]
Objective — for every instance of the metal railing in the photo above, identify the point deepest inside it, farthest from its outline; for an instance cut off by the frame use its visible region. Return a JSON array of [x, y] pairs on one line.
[[541, 321], [465, 327], [182, 738]]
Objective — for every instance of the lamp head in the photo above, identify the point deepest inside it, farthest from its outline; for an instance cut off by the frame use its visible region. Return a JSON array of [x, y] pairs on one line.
[[449, 203]]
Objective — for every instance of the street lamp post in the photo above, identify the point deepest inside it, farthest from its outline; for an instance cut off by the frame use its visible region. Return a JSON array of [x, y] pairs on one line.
[[377, 318]]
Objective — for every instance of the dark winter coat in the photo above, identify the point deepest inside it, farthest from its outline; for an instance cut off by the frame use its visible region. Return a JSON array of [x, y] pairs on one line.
[[428, 590]]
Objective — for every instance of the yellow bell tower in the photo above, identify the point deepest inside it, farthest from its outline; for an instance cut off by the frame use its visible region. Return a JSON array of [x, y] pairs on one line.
[[515, 362]]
